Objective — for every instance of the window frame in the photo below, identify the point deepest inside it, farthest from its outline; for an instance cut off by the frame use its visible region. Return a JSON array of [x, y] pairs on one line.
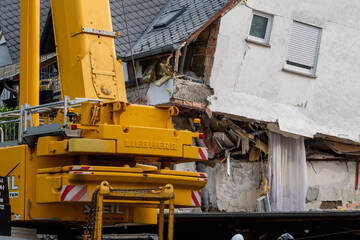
[[298, 69], [266, 39]]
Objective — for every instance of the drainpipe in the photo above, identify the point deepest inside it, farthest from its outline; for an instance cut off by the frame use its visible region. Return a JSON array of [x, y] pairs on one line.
[[357, 176], [30, 54]]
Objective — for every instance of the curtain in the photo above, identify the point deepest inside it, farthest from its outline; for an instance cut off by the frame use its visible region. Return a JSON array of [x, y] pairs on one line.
[[287, 173]]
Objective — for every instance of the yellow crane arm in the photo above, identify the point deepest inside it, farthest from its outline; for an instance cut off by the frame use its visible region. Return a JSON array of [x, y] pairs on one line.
[[85, 49]]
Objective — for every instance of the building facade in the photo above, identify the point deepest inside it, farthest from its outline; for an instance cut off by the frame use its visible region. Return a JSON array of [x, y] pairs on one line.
[[294, 64]]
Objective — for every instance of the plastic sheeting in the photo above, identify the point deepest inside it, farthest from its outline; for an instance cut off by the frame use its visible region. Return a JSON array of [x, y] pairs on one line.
[[287, 173]]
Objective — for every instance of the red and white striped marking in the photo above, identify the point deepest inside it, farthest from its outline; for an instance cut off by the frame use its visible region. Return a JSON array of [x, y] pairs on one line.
[[196, 198], [80, 168], [76, 172], [203, 153], [203, 175], [75, 193]]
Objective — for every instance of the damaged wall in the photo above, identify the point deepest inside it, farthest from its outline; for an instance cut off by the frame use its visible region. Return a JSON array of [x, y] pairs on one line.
[[250, 76], [331, 185]]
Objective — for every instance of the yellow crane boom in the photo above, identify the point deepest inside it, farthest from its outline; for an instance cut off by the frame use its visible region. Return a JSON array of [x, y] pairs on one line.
[[93, 134]]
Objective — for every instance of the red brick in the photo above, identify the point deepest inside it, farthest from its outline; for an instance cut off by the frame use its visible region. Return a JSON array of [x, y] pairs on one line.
[[212, 42], [210, 51]]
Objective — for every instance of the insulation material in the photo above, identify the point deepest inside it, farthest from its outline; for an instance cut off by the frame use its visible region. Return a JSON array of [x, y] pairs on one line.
[[223, 140], [287, 173]]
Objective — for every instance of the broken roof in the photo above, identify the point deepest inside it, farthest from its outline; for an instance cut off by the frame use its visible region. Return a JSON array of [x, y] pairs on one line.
[[137, 24], [189, 17]]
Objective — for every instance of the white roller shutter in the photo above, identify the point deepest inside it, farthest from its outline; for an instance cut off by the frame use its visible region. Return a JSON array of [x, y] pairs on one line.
[[304, 44]]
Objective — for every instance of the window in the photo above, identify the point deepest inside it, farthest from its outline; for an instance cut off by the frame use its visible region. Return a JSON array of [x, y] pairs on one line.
[[303, 49], [168, 18], [260, 28]]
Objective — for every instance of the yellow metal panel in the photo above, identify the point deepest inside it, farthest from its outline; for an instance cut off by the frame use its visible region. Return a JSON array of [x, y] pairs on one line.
[[147, 141], [191, 152], [102, 169], [87, 61], [83, 145], [12, 160], [183, 185], [48, 146], [51, 183], [182, 173], [51, 145], [33, 210], [146, 116], [145, 215]]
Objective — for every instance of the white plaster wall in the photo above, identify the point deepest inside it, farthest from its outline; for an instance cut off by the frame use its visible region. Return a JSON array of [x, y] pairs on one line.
[[334, 181], [237, 192], [248, 79]]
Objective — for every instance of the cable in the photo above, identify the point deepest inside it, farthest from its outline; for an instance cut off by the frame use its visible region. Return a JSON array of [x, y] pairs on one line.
[[130, 45]]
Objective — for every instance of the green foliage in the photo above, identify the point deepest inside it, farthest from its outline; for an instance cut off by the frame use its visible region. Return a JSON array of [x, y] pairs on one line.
[[10, 129], [5, 108]]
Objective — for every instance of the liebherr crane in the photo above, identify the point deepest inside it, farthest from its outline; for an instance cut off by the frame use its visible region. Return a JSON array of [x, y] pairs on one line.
[[93, 146]]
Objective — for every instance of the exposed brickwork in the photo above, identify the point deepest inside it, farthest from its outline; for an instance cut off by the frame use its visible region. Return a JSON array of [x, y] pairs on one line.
[[210, 50]]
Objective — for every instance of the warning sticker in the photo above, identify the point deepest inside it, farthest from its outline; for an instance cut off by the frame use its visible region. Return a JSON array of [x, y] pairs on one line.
[[13, 194]]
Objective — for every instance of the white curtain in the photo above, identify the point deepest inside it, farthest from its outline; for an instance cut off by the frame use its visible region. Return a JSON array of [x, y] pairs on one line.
[[287, 173]]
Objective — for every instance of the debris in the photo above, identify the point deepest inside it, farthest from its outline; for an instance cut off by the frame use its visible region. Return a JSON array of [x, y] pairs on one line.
[[254, 154], [164, 71], [317, 155], [350, 206], [223, 140], [242, 134], [149, 74], [331, 204], [341, 148], [262, 146]]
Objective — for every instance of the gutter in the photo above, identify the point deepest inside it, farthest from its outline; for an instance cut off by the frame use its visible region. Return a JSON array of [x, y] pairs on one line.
[[168, 48]]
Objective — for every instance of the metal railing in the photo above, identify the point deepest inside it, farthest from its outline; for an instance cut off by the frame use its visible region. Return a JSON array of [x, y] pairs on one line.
[[14, 124], [9, 130]]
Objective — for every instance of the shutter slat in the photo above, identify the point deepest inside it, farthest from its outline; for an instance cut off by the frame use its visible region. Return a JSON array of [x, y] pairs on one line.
[[303, 44]]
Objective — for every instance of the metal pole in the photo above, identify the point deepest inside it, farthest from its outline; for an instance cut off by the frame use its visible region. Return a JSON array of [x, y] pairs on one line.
[[21, 124], [25, 117], [2, 134], [66, 101], [99, 217], [161, 221], [30, 54], [171, 219]]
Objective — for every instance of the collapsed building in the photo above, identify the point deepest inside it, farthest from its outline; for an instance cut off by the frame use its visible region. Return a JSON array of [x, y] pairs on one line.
[[277, 108]]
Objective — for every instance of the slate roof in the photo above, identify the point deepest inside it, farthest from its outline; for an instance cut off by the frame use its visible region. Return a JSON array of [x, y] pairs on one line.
[[10, 23], [195, 14], [141, 16]]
